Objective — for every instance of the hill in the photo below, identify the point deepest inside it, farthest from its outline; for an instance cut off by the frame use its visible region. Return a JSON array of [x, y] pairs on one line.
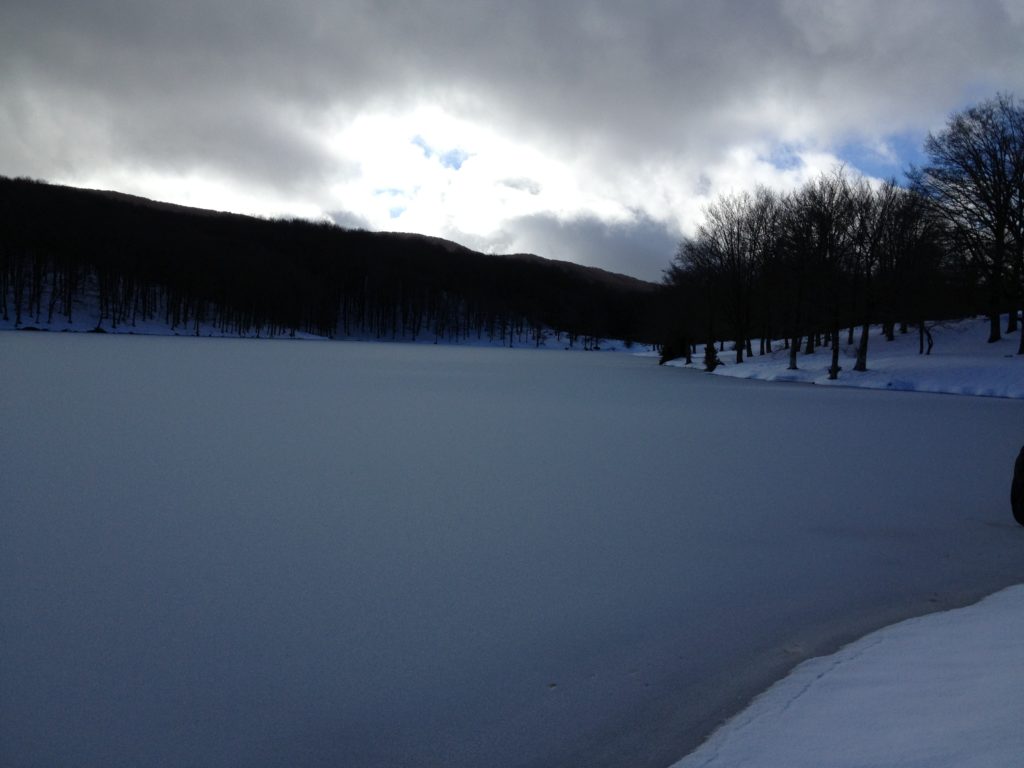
[[128, 259]]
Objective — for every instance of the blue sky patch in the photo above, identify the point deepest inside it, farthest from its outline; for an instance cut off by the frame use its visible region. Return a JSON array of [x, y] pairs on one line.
[[890, 159], [420, 142], [454, 158], [786, 158]]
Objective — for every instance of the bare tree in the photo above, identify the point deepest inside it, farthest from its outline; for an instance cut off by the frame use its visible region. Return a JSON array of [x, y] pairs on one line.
[[819, 235], [1014, 115], [873, 220], [972, 180], [728, 252]]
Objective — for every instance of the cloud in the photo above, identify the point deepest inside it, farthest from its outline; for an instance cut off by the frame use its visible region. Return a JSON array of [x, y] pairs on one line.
[[524, 185], [348, 220], [641, 247], [482, 112]]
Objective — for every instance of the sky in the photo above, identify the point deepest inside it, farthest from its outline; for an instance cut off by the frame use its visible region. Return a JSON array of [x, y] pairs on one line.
[[587, 130]]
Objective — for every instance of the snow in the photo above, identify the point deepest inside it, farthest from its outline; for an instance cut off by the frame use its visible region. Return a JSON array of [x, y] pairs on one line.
[[961, 363], [940, 690], [943, 691], [234, 552], [86, 318]]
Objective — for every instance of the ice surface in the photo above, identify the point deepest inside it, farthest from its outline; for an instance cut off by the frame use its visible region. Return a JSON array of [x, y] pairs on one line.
[[232, 552]]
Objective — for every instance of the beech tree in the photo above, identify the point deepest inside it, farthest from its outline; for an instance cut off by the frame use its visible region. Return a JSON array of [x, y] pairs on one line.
[[874, 221], [973, 180], [820, 238]]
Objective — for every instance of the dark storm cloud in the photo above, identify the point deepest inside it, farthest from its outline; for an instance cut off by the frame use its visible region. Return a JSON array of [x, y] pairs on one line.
[[348, 220], [642, 248], [640, 77], [174, 85]]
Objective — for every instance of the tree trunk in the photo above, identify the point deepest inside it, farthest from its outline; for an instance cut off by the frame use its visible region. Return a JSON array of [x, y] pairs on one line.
[[833, 371], [993, 327], [862, 349], [710, 358], [793, 348]]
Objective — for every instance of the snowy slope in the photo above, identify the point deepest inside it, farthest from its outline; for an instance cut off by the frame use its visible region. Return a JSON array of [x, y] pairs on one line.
[[942, 691], [961, 363]]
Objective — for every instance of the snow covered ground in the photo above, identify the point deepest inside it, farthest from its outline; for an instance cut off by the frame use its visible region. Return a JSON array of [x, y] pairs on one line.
[[961, 363], [942, 691], [86, 319], [229, 552]]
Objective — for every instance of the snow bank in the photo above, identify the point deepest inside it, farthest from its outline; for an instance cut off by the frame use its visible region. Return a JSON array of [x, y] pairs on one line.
[[961, 363], [944, 690]]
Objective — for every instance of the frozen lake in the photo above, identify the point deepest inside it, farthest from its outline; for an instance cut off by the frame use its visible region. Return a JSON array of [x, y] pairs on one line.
[[256, 553]]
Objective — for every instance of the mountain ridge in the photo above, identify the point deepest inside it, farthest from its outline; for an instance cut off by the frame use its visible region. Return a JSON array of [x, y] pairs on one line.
[[291, 273]]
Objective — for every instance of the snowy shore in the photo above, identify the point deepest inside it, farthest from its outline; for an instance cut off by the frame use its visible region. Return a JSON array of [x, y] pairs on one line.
[[942, 690], [961, 363]]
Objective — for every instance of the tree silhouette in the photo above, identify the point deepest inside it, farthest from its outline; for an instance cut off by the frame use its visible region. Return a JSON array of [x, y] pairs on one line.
[[973, 180]]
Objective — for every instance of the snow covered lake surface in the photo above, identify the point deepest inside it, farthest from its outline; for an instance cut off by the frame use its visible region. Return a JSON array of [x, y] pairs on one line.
[[233, 552]]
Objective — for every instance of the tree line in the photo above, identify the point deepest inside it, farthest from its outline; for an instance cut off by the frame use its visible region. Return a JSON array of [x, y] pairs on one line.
[[841, 253], [134, 260]]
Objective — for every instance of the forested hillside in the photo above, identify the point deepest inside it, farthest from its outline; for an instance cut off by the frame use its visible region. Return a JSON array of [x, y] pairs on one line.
[[63, 248]]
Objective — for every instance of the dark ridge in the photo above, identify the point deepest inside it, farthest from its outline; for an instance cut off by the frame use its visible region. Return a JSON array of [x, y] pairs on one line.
[[146, 259]]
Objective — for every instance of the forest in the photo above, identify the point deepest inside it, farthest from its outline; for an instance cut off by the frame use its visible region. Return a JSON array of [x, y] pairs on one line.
[[144, 260], [841, 253]]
